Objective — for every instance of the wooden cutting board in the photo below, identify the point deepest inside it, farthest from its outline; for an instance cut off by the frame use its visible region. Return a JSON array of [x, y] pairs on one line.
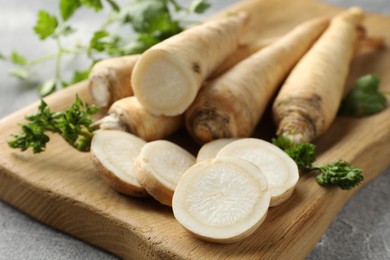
[[61, 188]]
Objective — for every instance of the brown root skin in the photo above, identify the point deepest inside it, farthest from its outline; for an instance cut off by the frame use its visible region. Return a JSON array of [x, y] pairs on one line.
[[128, 114], [207, 125], [110, 80], [297, 128], [296, 122], [241, 53]]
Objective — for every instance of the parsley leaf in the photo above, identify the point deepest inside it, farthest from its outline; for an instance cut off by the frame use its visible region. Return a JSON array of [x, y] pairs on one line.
[[199, 6], [97, 42], [46, 25], [114, 5], [68, 7], [21, 73], [95, 4], [150, 16], [365, 99], [78, 75], [103, 41], [47, 88], [340, 174], [302, 154], [18, 59], [74, 125]]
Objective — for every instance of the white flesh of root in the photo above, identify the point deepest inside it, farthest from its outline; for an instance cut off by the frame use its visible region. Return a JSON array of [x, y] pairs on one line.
[[113, 154], [222, 200], [280, 170], [210, 149], [159, 167]]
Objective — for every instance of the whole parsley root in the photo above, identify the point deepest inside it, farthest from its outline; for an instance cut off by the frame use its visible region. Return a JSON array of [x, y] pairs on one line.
[[109, 79], [127, 114], [74, 125], [307, 102], [168, 76]]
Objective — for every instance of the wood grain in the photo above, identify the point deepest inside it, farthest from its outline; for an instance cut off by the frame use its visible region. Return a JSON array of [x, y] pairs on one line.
[[61, 188]]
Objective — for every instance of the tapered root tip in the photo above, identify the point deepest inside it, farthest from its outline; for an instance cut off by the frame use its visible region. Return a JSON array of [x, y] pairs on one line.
[[111, 122], [297, 128], [353, 14]]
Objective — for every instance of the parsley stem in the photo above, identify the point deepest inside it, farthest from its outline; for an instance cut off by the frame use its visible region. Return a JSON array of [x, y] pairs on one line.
[[86, 134], [54, 55], [59, 59], [42, 59]]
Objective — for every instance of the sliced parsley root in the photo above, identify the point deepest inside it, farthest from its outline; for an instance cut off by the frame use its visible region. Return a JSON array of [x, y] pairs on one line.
[[209, 150], [339, 173], [221, 200], [278, 168], [159, 167], [113, 153], [74, 125]]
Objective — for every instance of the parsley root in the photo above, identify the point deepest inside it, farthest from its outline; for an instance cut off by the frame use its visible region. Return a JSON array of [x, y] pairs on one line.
[[210, 149], [308, 101], [232, 105], [127, 114], [168, 76], [242, 52], [279, 169], [109, 79], [113, 154], [221, 200], [159, 167]]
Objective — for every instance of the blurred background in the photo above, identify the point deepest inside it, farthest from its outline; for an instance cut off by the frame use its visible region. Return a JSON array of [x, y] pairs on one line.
[[360, 231]]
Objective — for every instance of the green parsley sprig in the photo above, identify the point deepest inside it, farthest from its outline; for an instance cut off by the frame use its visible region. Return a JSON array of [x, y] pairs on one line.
[[74, 125], [365, 98], [152, 21], [339, 173]]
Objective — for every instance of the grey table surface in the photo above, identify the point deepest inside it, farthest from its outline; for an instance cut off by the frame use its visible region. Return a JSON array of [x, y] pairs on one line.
[[360, 231]]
